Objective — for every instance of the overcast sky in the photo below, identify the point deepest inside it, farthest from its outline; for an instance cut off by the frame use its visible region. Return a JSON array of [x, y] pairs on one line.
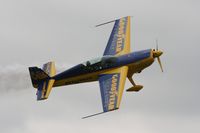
[[33, 32]]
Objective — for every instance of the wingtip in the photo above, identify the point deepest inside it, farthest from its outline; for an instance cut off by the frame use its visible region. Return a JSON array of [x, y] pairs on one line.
[[99, 113], [92, 115]]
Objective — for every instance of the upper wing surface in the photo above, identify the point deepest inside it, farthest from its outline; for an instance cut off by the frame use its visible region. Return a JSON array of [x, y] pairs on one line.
[[119, 41]]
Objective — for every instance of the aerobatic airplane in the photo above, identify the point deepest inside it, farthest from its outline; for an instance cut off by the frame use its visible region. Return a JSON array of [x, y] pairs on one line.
[[111, 70]]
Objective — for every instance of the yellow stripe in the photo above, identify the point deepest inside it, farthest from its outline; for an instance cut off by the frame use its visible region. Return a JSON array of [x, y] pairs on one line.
[[77, 78], [53, 69], [127, 39], [123, 74], [49, 87]]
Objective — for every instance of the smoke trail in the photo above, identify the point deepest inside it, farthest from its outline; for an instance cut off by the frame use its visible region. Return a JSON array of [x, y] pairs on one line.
[[16, 77]]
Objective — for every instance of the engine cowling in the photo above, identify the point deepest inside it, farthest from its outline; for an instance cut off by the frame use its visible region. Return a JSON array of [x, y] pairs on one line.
[[135, 88]]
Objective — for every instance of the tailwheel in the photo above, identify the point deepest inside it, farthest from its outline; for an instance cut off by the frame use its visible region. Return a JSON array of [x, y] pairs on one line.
[[135, 87]]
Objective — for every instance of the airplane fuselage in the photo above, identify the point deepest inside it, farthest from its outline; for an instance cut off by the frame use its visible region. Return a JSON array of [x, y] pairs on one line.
[[90, 70]]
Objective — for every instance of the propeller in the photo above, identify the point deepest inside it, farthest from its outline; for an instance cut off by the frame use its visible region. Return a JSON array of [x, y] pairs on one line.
[[158, 57], [156, 44]]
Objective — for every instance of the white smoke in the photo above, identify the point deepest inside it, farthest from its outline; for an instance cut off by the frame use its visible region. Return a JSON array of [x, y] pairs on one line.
[[16, 77]]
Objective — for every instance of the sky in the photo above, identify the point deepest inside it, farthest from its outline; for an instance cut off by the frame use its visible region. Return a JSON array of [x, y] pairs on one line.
[[33, 32]]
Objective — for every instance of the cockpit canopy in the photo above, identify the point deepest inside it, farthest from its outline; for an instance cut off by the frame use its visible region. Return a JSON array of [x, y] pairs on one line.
[[103, 61]]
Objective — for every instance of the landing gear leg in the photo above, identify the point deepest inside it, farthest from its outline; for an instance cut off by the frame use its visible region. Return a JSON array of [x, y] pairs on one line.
[[135, 87], [131, 80]]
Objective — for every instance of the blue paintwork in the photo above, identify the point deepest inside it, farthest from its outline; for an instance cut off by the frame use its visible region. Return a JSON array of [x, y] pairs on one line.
[[81, 69], [39, 91], [37, 75], [112, 42], [106, 84], [133, 57]]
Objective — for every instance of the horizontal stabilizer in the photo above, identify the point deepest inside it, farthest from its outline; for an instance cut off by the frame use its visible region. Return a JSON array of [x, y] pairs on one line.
[[37, 75], [44, 89], [42, 79]]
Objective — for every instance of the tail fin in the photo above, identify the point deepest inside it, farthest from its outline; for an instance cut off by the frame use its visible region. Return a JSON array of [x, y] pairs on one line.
[[42, 79]]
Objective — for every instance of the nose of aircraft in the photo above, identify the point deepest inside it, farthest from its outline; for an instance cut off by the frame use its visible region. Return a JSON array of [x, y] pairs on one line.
[[157, 53]]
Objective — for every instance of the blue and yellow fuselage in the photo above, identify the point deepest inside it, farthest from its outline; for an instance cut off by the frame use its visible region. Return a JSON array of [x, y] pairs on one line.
[[90, 70], [111, 70]]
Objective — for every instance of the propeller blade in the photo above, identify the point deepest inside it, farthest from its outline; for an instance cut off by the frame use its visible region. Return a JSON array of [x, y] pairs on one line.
[[159, 61], [156, 44]]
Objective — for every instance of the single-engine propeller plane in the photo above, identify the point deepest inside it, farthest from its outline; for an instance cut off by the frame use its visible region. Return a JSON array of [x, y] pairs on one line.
[[111, 70]]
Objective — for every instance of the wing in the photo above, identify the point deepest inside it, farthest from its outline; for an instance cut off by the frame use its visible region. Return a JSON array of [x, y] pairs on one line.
[[112, 86], [119, 41]]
